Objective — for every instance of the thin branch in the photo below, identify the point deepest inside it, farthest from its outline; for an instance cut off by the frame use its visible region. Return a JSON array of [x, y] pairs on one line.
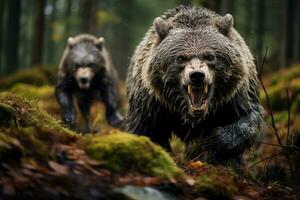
[[263, 159], [289, 116], [277, 145], [277, 134]]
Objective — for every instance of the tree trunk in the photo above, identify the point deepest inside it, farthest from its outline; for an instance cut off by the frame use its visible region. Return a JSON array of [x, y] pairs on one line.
[[282, 34], [213, 5], [12, 36], [227, 6], [297, 33], [260, 30], [2, 9], [87, 12], [38, 33], [292, 31], [184, 2], [68, 17], [49, 34], [248, 23]]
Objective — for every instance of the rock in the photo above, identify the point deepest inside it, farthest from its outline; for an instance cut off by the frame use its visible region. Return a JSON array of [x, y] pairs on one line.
[[123, 152], [139, 193]]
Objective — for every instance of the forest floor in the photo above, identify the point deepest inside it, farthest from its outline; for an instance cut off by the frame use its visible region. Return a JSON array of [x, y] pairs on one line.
[[41, 159]]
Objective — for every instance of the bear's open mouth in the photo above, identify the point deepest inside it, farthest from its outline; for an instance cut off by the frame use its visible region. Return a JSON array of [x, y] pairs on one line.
[[198, 98]]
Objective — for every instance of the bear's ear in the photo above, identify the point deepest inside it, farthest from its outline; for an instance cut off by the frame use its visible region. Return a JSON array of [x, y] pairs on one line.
[[161, 27], [71, 42], [225, 24], [100, 43]]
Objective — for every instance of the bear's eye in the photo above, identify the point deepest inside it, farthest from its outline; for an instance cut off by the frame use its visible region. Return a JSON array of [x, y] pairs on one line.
[[77, 65], [91, 65], [180, 59], [209, 57]]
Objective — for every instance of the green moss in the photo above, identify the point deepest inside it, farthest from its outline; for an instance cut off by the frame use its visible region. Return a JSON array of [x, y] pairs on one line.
[[277, 95], [216, 183], [30, 91], [28, 114], [6, 114], [123, 152], [34, 76], [287, 75], [287, 79], [44, 96], [281, 117]]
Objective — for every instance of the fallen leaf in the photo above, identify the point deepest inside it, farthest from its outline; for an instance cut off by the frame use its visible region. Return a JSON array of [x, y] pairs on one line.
[[196, 165], [58, 168]]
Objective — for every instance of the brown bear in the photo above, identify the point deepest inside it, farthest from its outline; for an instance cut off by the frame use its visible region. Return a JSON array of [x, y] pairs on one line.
[[194, 75], [86, 74]]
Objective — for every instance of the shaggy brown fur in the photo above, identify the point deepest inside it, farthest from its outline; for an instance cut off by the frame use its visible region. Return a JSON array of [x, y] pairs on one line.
[[194, 75], [86, 72]]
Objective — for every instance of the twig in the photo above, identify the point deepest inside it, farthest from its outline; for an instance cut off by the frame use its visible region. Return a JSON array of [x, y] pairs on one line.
[[265, 158], [277, 134], [289, 116], [277, 145]]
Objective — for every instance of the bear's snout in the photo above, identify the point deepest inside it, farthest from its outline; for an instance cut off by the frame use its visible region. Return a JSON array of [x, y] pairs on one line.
[[83, 80], [84, 76], [197, 77]]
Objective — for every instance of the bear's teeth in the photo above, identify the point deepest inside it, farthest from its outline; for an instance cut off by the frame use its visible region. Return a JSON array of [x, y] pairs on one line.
[[201, 108], [205, 89]]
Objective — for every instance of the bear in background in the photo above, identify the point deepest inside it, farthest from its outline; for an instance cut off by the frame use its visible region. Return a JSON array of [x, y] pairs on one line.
[[86, 73], [194, 75]]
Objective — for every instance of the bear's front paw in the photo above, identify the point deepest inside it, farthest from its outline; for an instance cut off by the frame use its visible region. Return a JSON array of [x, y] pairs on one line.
[[224, 139], [116, 120]]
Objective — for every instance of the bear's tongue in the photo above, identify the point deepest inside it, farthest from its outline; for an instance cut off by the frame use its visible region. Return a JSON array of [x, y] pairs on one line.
[[197, 97]]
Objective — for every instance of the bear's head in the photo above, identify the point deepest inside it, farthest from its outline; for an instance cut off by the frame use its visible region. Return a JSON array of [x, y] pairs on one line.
[[195, 65], [85, 59]]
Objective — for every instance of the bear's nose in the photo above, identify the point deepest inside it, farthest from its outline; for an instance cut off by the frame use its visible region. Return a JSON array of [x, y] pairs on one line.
[[197, 77], [83, 80]]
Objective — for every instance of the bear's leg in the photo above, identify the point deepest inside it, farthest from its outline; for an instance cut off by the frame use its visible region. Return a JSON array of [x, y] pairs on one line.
[[233, 139], [65, 101], [153, 123], [111, 100], [84, 105]]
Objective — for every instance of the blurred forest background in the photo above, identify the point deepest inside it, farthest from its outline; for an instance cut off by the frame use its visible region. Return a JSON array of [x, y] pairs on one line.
[[34, 32], [33, 35]]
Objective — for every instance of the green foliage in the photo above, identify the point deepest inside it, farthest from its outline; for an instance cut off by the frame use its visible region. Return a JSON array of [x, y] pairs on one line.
[[123, 152], [178, 149]]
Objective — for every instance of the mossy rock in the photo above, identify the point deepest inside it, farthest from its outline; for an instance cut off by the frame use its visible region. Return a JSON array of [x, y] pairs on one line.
[[123, 152], [216, 183], [31, 91], [27, 130], [25, 113], [43, 95], [34, 76]]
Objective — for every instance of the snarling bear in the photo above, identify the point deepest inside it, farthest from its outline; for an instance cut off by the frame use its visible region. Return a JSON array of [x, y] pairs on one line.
[[86, 74], [194, 75]]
